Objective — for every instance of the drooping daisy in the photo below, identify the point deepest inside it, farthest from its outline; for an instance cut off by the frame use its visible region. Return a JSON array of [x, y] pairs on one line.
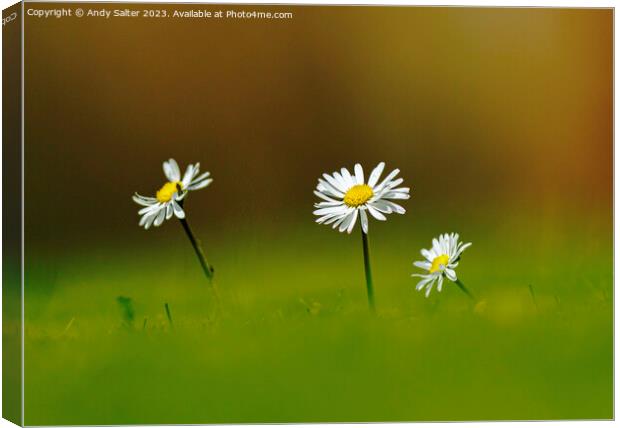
[[167, 200], [441, 261], [346, 196]]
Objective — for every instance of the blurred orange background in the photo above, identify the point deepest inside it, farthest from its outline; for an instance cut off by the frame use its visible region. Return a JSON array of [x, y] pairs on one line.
[[487, 111]]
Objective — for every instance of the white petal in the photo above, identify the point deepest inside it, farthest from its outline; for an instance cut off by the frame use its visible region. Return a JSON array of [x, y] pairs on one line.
[[335, 218], [178, 211], [443, 245], [324, 204], [348, 179], [428, 255], [376, 214], [330, 188], [450, 274], [396, 208], [433, 253], [450, 244], [148, 209], [344, 184], [395, 195], [401, 190], [330, 210], [143, 200], [149, 220], [423, 265], [199, 178], [375, 174], [324, 196], [359, 174], [146, 217], [393, 183], [346, 222], [387, 179], [464, 247], [382, 206], [438, 248], [188, 176], [364, 220], [200, 185], [160, 217], [171, 170], [336, 182], [327, 218], [425, 281], [168, 211], [350, 228], [342, 219], [439, 282], [428, 290]]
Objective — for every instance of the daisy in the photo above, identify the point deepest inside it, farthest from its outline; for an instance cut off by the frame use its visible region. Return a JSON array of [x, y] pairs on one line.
[[441, 261], [346, 196], [168, 199]]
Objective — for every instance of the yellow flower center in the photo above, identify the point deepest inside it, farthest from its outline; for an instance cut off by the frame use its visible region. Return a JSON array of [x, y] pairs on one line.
[[439, 262], [168, 190], [358, 195]]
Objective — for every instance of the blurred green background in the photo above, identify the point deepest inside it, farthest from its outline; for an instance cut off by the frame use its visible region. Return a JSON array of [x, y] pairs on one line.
[[499, 119]]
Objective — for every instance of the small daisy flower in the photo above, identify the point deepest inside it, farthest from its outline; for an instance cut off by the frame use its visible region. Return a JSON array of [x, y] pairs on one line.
[[346, 196], [168, 199], [441, 261]]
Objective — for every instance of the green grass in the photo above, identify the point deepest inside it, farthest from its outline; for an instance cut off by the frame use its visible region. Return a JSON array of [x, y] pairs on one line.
[[296, 342]]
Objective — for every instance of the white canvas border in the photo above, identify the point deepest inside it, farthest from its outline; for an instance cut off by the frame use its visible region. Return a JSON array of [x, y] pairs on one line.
[[496, 3]]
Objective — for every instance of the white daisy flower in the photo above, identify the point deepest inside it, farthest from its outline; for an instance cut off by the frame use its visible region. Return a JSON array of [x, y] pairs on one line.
[[168, 199], [346, 196], [441, 261]]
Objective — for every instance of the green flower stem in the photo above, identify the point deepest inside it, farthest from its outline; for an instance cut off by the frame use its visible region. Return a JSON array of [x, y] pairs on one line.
[[465, 290], [369, 288], [206, 267]]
